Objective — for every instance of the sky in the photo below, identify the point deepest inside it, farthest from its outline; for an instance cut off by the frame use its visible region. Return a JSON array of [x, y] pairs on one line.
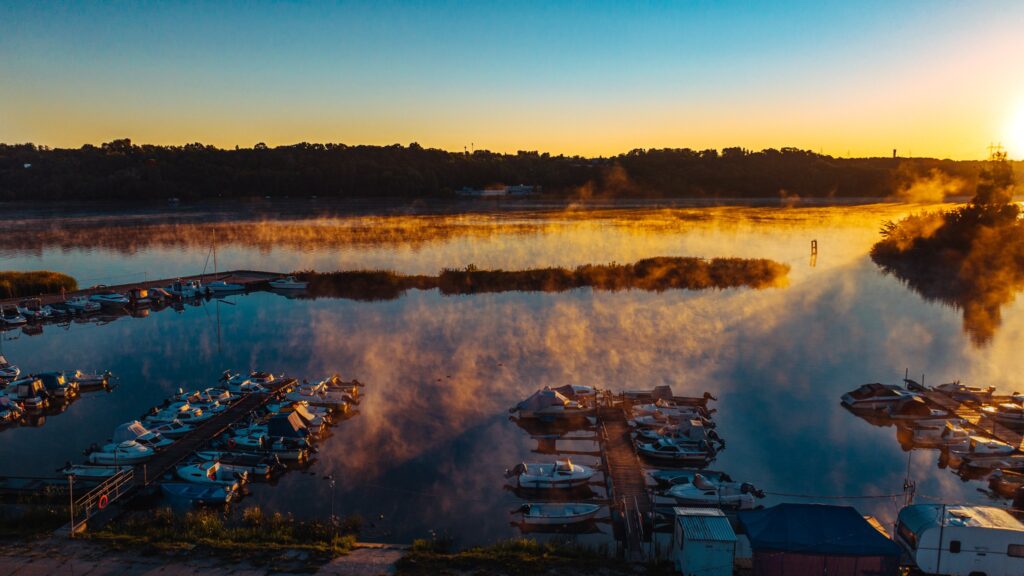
[[929, 78]]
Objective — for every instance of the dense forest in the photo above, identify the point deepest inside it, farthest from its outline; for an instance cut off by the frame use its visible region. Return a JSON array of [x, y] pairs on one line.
[[123, 170]]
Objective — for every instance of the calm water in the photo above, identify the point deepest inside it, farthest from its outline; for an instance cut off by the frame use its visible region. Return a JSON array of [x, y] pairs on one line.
[[429, 447]]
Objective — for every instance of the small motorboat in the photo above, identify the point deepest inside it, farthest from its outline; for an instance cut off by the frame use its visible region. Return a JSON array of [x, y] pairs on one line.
[[211, 473], [963, 393], [949, 433], [134, 430], [318, 395], [198, 493], [10, 411], [220, 286], [127, 452], [29, 392], [257, 465], [181, 411], [82, 305], [174, 429], [686, 432], [671, 410], [284, 449], [33, 310], [557, 514], [549, 405], [8, 371], [981, 446], [57, 385], [90, 380], [254, 382], [288, 283], [186, 289], [11, 316], [160, 296], [668, 478], [209, 396], [914, 408], [561, 474], [1010, 413], [110, 299], [876, 396], [727, 495], [681, 453], [664, 392], [92, 472]]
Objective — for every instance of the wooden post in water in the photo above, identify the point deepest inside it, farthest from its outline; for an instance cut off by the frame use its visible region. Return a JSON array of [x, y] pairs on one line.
[[71, 502], [814, 253]]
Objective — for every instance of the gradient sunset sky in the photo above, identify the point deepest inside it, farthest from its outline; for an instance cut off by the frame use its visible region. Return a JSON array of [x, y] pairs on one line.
[[930, 78]]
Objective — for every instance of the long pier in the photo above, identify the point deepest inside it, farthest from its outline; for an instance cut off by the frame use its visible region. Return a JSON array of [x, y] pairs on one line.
[[976, 418], [626, 477], [247, 278], [164, 461]]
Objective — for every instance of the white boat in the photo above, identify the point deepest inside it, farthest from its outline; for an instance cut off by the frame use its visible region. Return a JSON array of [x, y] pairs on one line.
[[557, 514], [174, 429], [670, 409], [219, 286], [727, 495], [253, 463], [110, 299], [947, 433], [82, 304], [8, 371], [561, 474], [11, 316], [33, 309], [283, 449], [127, 452], [876, 396], [134, 430], [180, 411], [186, 289], [1006, 413], [686, 432], [210, 473], [92, 472], [57, 385], [318, 395], [670, 451], [86, 380], [254, 382], [963, 393], [549, 405], [981, 446], [288, 283], [209, 396]]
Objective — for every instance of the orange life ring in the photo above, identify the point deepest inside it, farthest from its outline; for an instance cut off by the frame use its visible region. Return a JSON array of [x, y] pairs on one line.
[[103, 501], [231, 442]]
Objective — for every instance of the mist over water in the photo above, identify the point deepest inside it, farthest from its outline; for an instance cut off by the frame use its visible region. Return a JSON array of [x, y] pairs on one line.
[[431, 441]]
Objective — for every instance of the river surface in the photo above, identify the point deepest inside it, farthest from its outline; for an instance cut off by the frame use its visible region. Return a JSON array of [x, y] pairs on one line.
[[428, 448]]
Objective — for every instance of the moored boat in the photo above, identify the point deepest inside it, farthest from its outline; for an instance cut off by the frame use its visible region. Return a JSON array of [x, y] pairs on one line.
[[111, 299], [127, 452], [8, 371], [680, 453], [82, 305], [549, 405], [211, 473], [288, 283], [727, 495], [185, 289], [876, 396], [557, 513], [92, 472], [220, 286], [561, 474]]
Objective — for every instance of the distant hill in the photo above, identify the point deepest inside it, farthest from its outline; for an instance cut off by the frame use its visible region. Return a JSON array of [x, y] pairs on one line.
[[123, 170]]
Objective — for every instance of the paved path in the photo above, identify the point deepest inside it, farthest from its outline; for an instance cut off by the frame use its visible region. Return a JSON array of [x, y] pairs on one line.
[[79, 558]]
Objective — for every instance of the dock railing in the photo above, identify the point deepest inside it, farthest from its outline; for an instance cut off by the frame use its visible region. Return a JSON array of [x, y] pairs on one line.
[[98, 498]]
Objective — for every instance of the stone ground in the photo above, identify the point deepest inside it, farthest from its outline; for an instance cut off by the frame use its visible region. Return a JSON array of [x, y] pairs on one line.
[[81, 558]]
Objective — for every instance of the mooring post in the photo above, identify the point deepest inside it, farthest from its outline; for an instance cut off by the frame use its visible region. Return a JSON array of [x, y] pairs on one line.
[[71, 503]]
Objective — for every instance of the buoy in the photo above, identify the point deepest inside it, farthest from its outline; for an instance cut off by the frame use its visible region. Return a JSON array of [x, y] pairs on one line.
[[103, 501]]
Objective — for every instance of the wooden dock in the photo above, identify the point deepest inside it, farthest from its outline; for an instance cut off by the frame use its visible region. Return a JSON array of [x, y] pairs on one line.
[[626, 477], [164, 461], [976, 418], [247, 278]]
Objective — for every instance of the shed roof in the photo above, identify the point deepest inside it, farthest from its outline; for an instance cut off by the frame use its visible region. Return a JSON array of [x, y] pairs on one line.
[[705, 525], [814, 529]]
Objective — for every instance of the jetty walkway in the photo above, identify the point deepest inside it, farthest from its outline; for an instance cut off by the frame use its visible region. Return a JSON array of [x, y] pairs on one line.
[[625, 475]]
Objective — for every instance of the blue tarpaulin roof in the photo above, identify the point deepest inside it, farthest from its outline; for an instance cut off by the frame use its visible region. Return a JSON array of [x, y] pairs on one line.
[[814, 529]]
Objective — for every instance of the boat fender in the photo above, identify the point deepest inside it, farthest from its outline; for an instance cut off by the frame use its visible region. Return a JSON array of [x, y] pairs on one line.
[[102, 502]]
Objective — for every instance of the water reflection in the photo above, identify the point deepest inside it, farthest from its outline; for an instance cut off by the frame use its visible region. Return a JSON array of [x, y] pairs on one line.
[[433, 439]]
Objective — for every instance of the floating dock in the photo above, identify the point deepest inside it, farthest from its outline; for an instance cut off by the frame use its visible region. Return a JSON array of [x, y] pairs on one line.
[[629, 493], [247, 278]]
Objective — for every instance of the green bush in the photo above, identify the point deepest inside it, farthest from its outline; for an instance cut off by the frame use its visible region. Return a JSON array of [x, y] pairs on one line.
[[25, 284]]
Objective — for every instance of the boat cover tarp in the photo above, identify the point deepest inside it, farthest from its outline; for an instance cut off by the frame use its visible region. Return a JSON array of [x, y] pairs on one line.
[[129, 431], [541, 399], [288, 425], [814, 529], [306, 415]]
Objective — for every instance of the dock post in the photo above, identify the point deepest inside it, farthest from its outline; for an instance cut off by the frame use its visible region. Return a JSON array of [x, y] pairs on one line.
[[814, 253], [71, 503]]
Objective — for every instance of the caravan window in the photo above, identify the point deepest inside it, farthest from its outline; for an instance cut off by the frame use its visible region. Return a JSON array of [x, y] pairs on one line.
[[1015, 550], [954, 546], [908, 535]]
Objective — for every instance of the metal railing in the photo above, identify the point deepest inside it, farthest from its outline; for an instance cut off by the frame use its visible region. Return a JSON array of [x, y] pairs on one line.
[[98, 498]]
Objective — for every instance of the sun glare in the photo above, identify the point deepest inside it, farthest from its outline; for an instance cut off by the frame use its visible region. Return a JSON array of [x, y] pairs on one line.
[[1015, 134]]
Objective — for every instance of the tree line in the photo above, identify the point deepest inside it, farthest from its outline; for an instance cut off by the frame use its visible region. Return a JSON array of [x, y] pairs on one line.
[[126, 171]]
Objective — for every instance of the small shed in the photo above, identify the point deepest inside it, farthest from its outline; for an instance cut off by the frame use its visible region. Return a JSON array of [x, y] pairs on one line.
[[703, 542], [817, 539]]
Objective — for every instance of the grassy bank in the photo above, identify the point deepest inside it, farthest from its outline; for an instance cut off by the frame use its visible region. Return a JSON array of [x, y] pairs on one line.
[[519, 557], [254, 532], [651, 274], [31, 518], [24, 284]]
